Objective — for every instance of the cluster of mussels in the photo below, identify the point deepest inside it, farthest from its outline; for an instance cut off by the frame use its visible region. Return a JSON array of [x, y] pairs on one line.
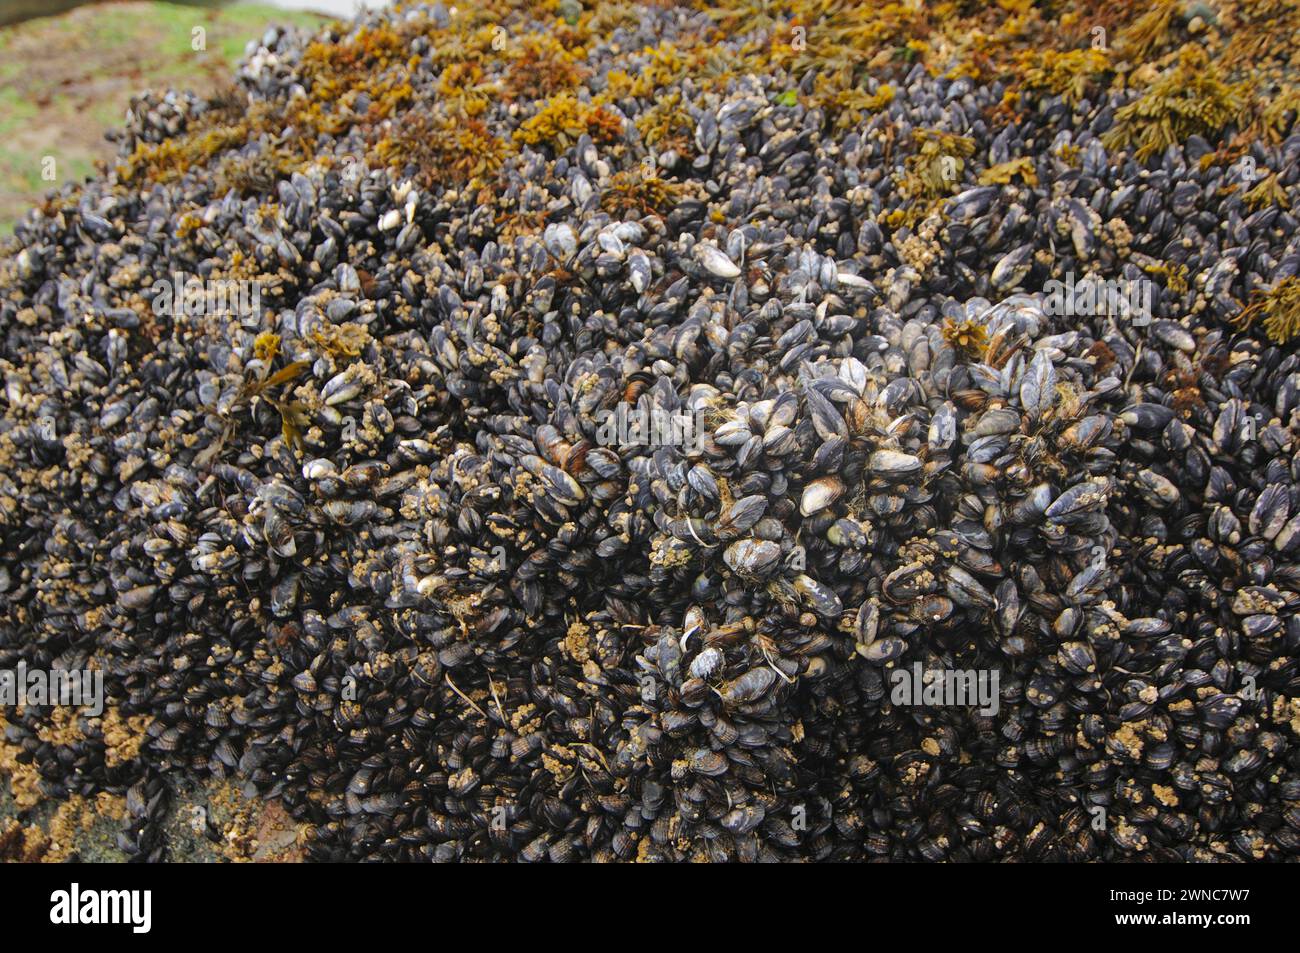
[[373, 548]]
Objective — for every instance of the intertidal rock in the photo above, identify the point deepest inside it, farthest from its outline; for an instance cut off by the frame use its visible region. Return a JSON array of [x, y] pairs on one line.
[[535, 436]]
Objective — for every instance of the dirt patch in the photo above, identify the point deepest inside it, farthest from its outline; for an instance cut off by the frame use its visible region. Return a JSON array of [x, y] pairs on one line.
[[65, 80]]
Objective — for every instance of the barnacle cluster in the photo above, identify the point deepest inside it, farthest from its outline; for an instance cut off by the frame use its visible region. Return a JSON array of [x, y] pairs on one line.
[[725, 430]]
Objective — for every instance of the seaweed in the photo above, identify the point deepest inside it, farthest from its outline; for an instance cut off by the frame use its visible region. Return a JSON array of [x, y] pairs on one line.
[[1068, 74], [170, 159], [1268, 192], [932, 172], [1276, 116], [444, 150], [563, 118], [1189, 99], [968, 337], [1150, 33], [1278, 310], [847, 105], [1175, 275], [666, 126], [1004, 172], [340, 341], [1262, 34], [463, 89], [542, 68], [255, 174], [632, 190]]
